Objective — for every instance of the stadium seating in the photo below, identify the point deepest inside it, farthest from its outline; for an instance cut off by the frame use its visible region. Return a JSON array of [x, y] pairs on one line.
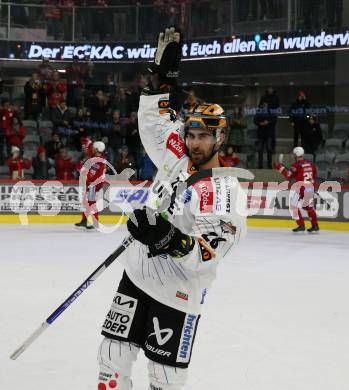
[[341, 167], [341, 131]]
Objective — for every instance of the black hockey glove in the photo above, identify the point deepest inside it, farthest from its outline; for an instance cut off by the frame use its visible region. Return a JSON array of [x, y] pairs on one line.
[[168, 57], [160, 237]]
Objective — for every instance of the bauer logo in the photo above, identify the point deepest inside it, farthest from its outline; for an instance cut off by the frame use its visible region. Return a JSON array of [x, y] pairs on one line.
[[187, 337], [176, 145], [120, 316]]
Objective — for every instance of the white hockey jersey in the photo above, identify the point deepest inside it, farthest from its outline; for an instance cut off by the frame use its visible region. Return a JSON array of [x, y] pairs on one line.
[[212, 209]]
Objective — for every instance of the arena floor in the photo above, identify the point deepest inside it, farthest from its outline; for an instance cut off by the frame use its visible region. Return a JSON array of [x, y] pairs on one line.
[[277, 317]]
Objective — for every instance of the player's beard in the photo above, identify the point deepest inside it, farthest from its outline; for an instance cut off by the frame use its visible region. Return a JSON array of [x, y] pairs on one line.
[[200, 157]]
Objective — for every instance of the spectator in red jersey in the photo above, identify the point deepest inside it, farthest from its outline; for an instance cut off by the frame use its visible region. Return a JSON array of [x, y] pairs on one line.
[[41, 164], [15, 133], [304, 172], [53, 18], [93, 176], [65, 166], [7, 113], [53, 146], [56, 90], [230, 158], [17, 165]]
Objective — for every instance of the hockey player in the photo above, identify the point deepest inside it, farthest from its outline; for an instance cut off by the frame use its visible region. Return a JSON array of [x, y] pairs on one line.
[[302, 171], [172, 262], [90, 177]]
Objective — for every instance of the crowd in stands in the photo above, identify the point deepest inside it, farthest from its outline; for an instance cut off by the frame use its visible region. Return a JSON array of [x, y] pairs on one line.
[[64, 112]]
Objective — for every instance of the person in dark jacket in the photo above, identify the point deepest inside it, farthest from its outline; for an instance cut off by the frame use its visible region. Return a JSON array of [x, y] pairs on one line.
[[312, 135], [34, 97], [298, 113], [61, 118], [265, 122], [53, 146], [273, 101], [41, 164]]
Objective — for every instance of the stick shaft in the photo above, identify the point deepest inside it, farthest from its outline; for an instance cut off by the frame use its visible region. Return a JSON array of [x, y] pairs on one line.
[[72, 297]]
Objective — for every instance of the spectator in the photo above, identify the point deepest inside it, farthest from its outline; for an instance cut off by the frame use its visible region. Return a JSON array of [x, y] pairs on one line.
[[45, 70], [230, 158], [34, 97], [133, 139], [90, 78], [312, 135], [125, 160], [190, 102], [17, 165], [66, 7], [82, 125], [109, 87], [116, 136], [52, 147], [41, 164], [6, 115], [99, 106], [146, 169], [272, 99], [265, 122], [75, 76], [61, 119], [298, 116], [55, 90], [121, 103], [15, 133], [65, 166], [235, 136], [53, 18]]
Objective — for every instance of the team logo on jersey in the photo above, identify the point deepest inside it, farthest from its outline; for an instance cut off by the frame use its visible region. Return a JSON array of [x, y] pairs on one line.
[[176, 145]]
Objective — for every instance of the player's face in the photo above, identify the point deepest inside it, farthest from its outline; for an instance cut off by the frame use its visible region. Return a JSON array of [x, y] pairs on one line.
[[200, 144]]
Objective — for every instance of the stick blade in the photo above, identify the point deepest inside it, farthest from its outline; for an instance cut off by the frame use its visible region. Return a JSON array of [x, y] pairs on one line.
[[29, 340]]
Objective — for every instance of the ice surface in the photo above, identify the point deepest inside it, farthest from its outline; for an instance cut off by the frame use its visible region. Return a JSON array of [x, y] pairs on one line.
[[277, 317]]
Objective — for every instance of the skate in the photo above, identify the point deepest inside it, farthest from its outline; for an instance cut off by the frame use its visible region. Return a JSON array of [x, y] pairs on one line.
[[299, 229], [81, 224], [90, 227], [314, 229]]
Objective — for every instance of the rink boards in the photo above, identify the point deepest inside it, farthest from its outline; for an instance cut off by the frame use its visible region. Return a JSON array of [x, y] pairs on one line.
[[60, 202]]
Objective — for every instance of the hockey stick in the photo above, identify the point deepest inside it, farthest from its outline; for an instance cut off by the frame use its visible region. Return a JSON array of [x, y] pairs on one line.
[[191, 180]]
